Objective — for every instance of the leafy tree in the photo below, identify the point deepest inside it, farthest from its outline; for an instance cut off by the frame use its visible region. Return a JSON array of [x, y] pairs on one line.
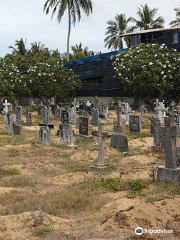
[[12, 81], [50, 79], [176, 22], [116, 28], [73, 7], [148, 71], [147, 18]]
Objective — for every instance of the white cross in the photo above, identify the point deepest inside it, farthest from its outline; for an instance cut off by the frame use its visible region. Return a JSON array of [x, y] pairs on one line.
[[6, 104]]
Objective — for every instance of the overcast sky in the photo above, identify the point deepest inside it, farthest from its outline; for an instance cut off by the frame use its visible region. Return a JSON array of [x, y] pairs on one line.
[[25, 19]]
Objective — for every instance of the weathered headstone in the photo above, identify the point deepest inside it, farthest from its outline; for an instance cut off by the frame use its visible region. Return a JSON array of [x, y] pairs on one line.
[[135, 124], [28, 119], [95, 116], [17, 129], [84, 126], [18, 112], [44, 135], [157, 137], [10, 119], [64, 117], [45, 116], [171, 171], [119, 127], [119, 142], [66, 135]]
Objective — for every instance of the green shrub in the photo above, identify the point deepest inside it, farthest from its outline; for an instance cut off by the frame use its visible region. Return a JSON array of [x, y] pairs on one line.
[[136, 186]]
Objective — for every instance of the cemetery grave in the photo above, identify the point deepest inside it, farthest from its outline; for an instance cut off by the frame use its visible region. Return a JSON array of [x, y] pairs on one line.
[[101, 189]]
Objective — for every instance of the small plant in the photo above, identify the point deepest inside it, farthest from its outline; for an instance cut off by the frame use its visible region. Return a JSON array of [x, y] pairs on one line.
[[109, 183], [9, 172], [136, 186], [43, 231]]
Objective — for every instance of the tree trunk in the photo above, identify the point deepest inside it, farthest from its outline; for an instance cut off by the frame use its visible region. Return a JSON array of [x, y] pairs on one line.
[[69, 31]]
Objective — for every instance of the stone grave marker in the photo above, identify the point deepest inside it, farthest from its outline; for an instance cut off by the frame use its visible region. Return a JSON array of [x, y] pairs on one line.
[[18, 113], [10, 119], [95, 116], [119, 127], [171, 171], [157, 136], [58, 113], [28, 119], [5, 108], [17, 129], [100, 164], [135, 124], [64, 117], [44, 135], [84, 126], [119, 142], [45, 116], [66, 135]]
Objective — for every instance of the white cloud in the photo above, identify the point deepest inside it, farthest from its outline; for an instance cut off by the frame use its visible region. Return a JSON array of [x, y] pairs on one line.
[[25, 19]]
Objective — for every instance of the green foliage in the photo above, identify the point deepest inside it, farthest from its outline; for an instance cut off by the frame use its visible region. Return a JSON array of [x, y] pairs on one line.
[[149, 71], [136, 186], [114, 184], [49, 79], [9, 172], [43, 231]]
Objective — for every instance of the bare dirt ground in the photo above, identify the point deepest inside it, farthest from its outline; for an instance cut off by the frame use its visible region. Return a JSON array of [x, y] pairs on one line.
[[78, 202]]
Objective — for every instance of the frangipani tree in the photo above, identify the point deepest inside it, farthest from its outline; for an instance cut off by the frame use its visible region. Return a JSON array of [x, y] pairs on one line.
[[148, 71], [50, 79], [12, 81]]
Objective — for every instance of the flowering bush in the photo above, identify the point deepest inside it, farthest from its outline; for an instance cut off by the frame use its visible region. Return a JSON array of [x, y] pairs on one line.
[[12, 82], [148, 71], [50, 79]]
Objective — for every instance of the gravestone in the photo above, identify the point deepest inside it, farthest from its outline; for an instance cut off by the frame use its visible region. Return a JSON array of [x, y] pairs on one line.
[[74, 110], [17, 129], [18, 112], [100, 164], [171, 171], [95, 117], [135, 124], [157, 136], [84, 126], [119, 142], [153, 119], [45, 116], [28, 119], [58, 113], [10, 119], [5, 108], [66, 135], [119, 127], [44, 135], [64, 117]]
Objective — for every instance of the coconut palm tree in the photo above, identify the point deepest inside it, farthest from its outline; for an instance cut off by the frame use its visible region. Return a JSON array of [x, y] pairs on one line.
[[176, 22], [147, 18], [74, 8], [116, 28], [20, 48]]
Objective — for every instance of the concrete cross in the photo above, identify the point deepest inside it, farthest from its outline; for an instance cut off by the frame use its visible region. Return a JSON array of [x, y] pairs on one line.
[[6, 104], [160, 111], [101, 147], [75, 110], [173, 105], [169, 135]]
